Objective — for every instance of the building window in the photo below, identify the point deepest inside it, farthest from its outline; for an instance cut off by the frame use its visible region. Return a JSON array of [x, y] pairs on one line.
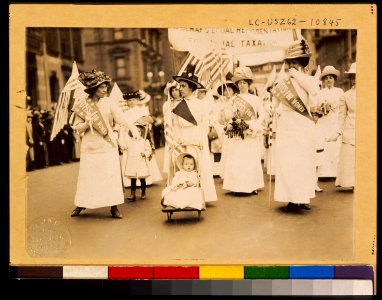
[[65, 40], [151, 38], [118, 34], [54, 87], [143, 35], [120, 66], [52, 41], [145, 68], [34, 40], [77, 45]]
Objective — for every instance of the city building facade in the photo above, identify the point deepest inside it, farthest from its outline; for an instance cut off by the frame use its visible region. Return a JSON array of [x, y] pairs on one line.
[[135, 58], [50, 53]]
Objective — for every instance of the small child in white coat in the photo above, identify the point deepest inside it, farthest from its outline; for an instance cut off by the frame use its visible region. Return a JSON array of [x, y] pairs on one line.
[[184, 190], [138, 152]]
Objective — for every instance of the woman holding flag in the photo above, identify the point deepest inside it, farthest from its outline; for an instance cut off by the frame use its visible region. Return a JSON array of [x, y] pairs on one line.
[[295, 177], [243, 172], [99, 179]]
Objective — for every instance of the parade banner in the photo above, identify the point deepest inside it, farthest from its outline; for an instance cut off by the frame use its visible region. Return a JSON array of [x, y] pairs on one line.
[[83, 108], [245, 110], [285, 92], [237, 41]]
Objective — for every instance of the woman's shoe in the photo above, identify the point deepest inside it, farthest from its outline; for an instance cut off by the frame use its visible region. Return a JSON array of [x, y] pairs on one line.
[[115, 213], [131, 198], [304, 206], [143, 196], [318, 189], [290, 207], [77, 211]]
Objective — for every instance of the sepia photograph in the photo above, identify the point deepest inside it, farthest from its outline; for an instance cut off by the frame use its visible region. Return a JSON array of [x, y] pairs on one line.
[[190, 144]]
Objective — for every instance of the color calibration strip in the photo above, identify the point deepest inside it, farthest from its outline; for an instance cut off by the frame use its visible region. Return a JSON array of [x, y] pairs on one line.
[[219, 280]]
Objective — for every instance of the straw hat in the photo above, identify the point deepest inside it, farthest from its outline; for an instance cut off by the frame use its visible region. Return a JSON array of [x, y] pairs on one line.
[[228, 83], [352, 69], [329, 70], [189, 76], [93, 79], [140, 95], [299, 50], [168, 86], [144, 121], [242, 73], [191, 152]]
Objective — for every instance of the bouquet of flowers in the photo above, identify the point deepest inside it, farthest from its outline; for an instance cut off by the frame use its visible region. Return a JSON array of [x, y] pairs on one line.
[[237, 127], [325, 108]]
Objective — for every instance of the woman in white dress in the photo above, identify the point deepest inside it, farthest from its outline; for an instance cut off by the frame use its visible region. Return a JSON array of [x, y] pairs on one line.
[[99, 179], [295, 144], [243, 172], [346, 129], [227, 92], [329, 99]]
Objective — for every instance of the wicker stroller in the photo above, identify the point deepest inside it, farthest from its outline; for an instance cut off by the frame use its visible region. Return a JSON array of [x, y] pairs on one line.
[[190, 198]]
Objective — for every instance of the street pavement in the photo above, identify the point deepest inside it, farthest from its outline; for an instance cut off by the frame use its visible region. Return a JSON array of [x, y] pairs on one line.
[[235, 229]]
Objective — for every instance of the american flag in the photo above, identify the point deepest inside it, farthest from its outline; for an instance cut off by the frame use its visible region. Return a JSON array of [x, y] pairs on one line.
[[213, 66], [72, 90]]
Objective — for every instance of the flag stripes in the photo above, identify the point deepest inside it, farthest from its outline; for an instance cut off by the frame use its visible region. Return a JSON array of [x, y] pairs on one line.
[[209, 68], [72, 91]]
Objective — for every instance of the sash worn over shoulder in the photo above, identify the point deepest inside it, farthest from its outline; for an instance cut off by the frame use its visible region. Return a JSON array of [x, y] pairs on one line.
[[83, 108], [285, 92], [245, 111]]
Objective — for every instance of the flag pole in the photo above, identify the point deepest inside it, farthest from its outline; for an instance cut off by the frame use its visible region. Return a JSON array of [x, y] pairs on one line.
[[270, 151]]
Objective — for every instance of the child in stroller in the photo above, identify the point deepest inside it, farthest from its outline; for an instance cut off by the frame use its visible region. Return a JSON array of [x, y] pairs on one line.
[[184, 192]]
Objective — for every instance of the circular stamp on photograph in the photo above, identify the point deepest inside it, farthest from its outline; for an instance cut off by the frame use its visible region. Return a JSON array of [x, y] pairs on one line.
[[47, 237]]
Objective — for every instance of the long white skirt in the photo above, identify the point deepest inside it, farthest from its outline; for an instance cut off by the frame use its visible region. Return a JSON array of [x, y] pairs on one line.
[[295, 146], [346, 166], [243, 171], [99, 180], [330, 157]]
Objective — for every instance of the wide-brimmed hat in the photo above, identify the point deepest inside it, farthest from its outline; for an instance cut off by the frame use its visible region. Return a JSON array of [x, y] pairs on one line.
[[168, 86], [179, 159], [228, 83], [299, 50], [140, 95], [352, 69], [189, 76], [93, 79], [144, 121], [329, 70], [242, 73]]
